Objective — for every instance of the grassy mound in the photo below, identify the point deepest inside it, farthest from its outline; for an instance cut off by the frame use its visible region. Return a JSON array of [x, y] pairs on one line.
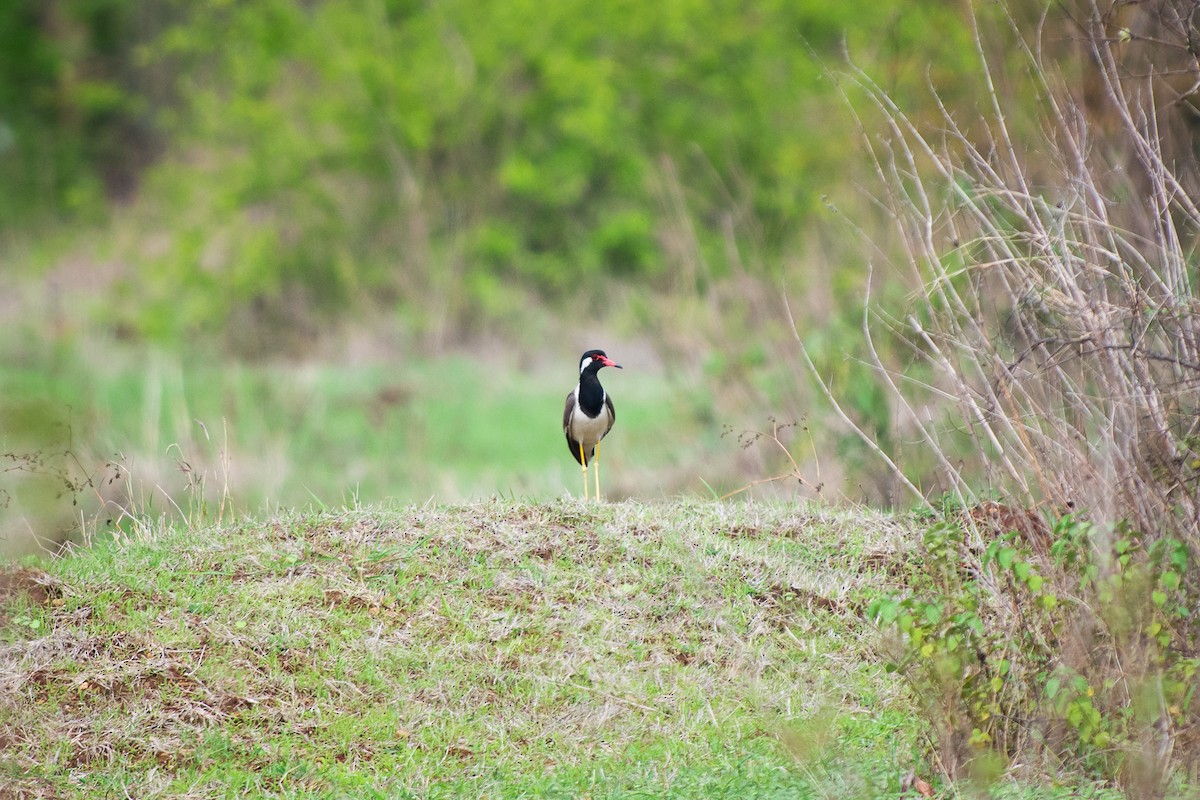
[[492, 650]]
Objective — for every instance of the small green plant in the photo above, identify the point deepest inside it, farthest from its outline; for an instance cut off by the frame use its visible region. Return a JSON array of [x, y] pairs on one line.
[[28, 622]]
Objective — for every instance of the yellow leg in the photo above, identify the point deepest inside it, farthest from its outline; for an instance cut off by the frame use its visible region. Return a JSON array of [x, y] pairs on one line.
[[596, 469], [583, 466]]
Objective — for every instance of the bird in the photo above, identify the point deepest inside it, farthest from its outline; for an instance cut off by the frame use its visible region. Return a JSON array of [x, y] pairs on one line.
[[589, 415]]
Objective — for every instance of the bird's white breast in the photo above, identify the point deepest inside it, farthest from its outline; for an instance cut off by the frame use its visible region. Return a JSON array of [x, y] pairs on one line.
[[585, 429]]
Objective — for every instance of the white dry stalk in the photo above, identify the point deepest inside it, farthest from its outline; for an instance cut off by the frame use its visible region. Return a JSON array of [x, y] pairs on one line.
[[1081, 401]]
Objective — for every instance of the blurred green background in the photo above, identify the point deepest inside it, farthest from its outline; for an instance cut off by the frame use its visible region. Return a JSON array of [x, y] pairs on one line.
[[285, 252]]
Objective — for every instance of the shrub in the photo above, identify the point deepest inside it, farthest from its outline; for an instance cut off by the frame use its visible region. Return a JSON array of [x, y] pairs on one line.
[[447, 158], [1066, 647]]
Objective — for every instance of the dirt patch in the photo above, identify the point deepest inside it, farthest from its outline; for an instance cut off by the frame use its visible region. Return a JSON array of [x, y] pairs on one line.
[[33, 585], [545, 551], [790, 599], [26, 585], [346, 600]]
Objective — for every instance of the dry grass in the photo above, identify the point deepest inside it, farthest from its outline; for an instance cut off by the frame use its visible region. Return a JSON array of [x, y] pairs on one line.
[[1055, 343], [1057, 308]]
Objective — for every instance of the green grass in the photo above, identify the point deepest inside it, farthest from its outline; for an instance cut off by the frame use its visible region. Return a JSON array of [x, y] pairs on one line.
[[493, 650], [333, 434]]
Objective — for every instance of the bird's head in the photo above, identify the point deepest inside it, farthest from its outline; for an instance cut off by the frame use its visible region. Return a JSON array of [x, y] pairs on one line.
[[596, 359]]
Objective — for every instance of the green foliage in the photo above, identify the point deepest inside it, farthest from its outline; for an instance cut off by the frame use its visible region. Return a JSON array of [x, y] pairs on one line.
[[331, 154], [454, 159], [74, 106], [1081, 650]]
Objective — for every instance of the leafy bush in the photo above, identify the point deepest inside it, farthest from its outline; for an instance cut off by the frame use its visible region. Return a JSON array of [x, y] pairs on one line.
[[1067, 647], [75, 106], [331, 155]]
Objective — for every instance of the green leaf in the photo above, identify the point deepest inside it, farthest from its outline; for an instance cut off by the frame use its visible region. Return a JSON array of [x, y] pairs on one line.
[[1179, 557], [1006, 556], [990, 553], [1159, 597], [1052, 687]]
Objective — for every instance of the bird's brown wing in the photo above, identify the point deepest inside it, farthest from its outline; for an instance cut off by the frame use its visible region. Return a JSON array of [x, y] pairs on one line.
[[568, 409]]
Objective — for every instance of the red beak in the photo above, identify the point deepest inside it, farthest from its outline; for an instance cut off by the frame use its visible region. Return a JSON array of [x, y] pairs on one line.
[[608, 362]]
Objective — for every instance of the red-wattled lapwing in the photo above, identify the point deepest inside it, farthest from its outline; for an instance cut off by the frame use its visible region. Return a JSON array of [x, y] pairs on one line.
[[589, 415]]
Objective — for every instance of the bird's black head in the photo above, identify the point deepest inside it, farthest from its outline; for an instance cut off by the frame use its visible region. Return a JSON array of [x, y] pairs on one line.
[[594, 360]]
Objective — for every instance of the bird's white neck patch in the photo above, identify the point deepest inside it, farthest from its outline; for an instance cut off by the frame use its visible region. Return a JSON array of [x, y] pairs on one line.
[[583, 363]]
